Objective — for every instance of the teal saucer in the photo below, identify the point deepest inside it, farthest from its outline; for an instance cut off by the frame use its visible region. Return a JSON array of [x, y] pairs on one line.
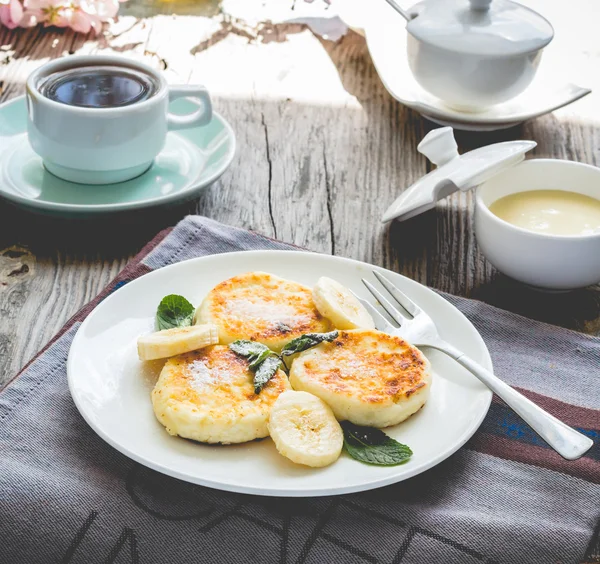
[[191, 160]]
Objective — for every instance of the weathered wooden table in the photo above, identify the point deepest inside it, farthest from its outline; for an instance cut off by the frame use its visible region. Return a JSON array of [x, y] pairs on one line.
[[322, 151]]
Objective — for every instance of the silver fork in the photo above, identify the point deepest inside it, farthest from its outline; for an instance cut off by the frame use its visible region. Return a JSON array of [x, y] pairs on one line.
[[420, 330]]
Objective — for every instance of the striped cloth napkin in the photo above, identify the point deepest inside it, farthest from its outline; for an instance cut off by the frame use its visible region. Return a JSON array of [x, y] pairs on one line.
[[68, 497]]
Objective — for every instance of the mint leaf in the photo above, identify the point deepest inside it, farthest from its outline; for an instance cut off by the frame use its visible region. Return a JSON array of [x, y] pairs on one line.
[[258, 360], [373, 446], [174, 311], [248, 349], [307, 341], [267, 369], [262, 361]]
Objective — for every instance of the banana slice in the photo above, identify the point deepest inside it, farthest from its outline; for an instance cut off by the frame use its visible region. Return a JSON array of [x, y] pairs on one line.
[[305, 430], [340, 305], [178, 340]]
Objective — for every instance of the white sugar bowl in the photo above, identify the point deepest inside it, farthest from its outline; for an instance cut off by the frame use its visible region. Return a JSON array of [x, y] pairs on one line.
[[472, 54], [546, 261], [543, 260]]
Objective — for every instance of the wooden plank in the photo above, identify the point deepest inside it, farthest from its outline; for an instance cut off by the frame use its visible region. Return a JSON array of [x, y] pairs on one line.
[[322, 151], [73, 259], [68, 262]]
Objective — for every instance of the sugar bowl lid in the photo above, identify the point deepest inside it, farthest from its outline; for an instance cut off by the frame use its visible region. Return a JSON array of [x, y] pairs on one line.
[[455, 172], [483, 27]]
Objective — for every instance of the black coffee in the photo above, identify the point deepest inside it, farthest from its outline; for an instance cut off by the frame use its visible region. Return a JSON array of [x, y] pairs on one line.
[[99, 86]]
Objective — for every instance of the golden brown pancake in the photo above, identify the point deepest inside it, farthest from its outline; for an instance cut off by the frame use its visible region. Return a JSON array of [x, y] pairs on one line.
[[208, 396], [261, 307], [366, 376]]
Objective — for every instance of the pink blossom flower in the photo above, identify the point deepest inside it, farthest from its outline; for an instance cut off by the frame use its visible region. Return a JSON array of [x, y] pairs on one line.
[[11, 13], [80, 18], [50, 12], [81, 15]]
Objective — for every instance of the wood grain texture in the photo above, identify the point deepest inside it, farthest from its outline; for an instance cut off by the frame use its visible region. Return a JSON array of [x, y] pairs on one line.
[[322, 151]]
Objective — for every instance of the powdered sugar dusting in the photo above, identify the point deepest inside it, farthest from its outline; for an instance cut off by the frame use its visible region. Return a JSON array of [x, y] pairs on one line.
[[200, 374], [202, 377], [266, 311], [352, 368]]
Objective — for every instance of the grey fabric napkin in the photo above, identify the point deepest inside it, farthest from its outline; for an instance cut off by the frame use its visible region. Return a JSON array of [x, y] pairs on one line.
[[66, 496]]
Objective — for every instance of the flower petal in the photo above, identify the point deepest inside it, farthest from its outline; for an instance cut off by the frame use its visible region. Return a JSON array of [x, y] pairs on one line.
[[16, 11], [11, 13], [31, 18], [104, 9], [81, 22]]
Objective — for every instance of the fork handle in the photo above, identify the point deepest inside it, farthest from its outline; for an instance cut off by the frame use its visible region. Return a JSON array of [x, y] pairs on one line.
[[568, 442]]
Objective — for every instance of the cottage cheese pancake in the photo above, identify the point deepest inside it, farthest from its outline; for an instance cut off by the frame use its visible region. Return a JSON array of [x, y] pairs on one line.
[[208, 396], [365, 376], [261, 307]]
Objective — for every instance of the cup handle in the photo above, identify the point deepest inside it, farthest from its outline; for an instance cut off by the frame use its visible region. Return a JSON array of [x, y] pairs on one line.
[[199, 96]]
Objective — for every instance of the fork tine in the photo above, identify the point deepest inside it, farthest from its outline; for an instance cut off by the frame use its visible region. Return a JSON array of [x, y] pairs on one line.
[[391, 310], [381, 323], [399, 296]]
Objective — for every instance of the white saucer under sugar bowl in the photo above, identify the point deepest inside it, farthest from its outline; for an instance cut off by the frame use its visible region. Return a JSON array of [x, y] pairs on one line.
[[473, 54], [554, 262]]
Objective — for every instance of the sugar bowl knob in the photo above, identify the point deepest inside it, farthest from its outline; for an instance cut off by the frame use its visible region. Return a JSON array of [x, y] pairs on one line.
[[439, 146], [480, 5]]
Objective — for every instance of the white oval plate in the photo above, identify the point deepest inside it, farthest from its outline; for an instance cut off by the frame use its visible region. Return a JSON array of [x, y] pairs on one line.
[[111, 387]]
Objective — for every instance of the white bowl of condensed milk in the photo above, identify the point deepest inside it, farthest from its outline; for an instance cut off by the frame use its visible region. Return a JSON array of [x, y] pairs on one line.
[[536, 220], [539, 223]]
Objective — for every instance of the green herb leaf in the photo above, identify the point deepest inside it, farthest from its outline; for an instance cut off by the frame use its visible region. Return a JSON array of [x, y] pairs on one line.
[[248, 349], [258, 360], [373, 446], [307, 341], [174, 311], [267, 369], [262, 361]]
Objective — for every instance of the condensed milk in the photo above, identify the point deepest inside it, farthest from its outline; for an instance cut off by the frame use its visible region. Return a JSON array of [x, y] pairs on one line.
[[554, 212]]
